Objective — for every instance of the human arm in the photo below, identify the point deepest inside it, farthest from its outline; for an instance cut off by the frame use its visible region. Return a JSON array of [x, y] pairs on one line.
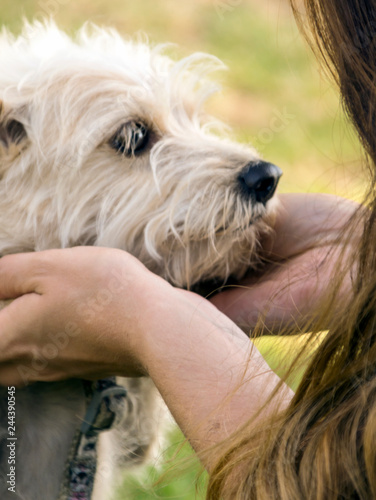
[[313, 235], [198, 359], [121, 319]]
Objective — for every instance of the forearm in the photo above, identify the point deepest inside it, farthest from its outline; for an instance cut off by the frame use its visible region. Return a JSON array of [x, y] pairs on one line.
[[197, 357], [206, 370]]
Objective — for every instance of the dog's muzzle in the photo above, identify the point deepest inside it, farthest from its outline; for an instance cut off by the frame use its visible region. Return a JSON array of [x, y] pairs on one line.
[[259, 180]]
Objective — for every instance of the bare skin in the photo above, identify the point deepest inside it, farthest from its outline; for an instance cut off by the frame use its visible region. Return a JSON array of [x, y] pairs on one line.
[[127, 321], [303, 253]]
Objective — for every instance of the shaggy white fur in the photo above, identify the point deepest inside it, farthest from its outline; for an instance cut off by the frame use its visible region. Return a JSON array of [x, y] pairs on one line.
[[103, 141]]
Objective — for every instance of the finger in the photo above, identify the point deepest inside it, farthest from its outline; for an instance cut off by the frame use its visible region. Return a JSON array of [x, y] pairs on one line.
[[245, 305], [20, 363], [18, 274], [285, 297], [16, 319], [23, 373], [14, 375]]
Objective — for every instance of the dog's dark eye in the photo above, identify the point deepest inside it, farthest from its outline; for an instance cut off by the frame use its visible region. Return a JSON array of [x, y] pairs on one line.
[[130, 139]]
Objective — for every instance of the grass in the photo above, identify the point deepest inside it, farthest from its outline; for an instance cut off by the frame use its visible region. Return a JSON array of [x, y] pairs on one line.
[[178, 477], [273, 96]]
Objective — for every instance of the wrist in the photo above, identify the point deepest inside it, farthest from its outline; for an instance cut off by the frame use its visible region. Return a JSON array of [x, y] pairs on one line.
[[146, 303], [176, 321]]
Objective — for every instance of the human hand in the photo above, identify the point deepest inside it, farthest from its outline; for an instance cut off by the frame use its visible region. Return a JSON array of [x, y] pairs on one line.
[[89, 304], [91, 312], [74, 311], [303, 255]]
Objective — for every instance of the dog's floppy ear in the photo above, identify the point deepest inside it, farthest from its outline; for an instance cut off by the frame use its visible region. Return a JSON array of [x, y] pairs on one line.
[[12, 133]]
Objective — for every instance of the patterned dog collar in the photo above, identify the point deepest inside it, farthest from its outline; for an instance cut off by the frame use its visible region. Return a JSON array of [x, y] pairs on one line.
[[104, 401]]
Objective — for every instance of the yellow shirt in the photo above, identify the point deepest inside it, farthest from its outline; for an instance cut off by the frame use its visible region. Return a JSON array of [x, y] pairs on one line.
[[280, 353]]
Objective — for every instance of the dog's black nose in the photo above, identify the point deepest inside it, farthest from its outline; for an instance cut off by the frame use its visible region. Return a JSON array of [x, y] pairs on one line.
[[259, 180]]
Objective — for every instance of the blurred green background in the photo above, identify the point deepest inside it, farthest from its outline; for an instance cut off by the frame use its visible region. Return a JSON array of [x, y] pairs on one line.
[[274, 97], [273, 93]]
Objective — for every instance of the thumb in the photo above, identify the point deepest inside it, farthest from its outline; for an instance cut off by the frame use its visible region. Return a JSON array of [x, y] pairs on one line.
[[18, 274], [16, 319], [17, 375]]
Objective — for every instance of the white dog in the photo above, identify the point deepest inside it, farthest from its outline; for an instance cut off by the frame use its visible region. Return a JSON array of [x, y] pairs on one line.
[[103, 141]]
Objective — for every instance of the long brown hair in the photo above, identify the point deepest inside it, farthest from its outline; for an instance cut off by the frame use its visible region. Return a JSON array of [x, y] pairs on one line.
[[324, 445]]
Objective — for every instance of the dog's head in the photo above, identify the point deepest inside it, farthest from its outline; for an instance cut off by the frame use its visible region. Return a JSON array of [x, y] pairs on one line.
[[104, 141]]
